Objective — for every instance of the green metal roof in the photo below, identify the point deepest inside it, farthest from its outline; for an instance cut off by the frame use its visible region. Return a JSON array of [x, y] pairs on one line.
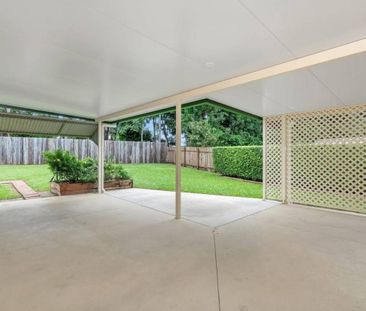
[[39, 125]]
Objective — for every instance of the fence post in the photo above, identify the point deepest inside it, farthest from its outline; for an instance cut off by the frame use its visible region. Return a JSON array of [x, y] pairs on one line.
[[184, 158], [198, 158]]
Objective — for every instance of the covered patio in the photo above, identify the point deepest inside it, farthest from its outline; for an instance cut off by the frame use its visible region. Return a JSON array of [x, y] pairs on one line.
[[91, 252], [77, 67], [205, 209]]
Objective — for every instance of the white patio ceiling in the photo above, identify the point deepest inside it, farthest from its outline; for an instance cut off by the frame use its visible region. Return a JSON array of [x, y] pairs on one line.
[[90, 58], [337, 83]]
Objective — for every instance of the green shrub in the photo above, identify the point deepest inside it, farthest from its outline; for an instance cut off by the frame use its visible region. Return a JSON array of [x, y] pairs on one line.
[[114, 171], [64, 166], [67, 168], [89, 168], [243, 161]]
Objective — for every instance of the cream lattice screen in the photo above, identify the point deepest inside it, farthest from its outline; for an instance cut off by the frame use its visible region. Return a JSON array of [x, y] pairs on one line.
[[273, 146], [317, 158]]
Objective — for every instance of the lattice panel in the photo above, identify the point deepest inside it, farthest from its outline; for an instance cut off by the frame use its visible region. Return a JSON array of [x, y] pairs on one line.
[[273, 157], [320, 156], [326, 158]]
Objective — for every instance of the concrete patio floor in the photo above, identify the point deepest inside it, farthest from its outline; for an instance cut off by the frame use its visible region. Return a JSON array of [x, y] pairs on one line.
[[98, 252], [205, 209]]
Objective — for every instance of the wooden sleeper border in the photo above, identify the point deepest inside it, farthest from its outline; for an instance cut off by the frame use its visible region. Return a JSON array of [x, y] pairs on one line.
[[78, 188]]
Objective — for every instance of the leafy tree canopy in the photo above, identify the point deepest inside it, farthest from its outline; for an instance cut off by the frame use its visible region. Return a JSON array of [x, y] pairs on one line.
[[204, 125], [131, 130], [200, 123]]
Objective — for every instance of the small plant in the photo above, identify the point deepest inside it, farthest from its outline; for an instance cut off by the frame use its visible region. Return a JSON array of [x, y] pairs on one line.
[[114, 171], [89, 171], [67, 168], [64, 166]]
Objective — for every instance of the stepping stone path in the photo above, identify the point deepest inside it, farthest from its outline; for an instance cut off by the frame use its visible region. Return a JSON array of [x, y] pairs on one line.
[[25, 191]]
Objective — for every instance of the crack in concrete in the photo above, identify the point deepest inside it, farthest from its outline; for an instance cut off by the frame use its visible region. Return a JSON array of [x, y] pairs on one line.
[[217, 270]]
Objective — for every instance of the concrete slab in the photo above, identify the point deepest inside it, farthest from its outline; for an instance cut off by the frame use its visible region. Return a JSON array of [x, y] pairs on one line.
[[94, 252], [293, 258], [97, 252], [209, 210]]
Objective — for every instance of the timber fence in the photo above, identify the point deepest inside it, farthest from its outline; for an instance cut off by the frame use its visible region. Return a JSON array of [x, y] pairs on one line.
[[29, 150], [198, 157]]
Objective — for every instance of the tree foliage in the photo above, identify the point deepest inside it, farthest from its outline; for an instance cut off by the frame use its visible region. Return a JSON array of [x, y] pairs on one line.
[[229, 128], [201, 134], [131, 130], [204, 125]]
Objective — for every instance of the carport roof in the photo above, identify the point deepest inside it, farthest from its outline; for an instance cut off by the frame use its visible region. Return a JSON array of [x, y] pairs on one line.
[[48, 126]]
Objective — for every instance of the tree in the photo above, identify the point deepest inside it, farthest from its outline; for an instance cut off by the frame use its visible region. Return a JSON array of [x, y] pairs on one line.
[[131, 130], [202, 125], [201, 134], [229, 128], [168, 126]]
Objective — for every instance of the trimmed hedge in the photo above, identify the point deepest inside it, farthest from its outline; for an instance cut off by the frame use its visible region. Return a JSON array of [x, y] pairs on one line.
[[242, 161]]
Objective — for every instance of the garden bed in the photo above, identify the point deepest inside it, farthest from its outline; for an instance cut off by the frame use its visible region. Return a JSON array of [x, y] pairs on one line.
[[73, 176], [78, 188]]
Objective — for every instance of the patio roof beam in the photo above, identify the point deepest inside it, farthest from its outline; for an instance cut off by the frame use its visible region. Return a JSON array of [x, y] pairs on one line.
[[295, 64]]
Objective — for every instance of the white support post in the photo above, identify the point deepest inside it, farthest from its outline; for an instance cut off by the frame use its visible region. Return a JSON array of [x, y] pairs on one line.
[[100, 157], [264, 155], [178, 134]]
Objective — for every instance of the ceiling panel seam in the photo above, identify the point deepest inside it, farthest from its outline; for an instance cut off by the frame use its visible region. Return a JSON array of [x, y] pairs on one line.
[[273, 34], [266, 97], [96, 61], [147, 37]]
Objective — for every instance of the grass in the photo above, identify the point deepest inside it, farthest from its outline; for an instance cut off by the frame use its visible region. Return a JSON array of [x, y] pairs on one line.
[[7, 192], [162, 177], [36, 176], [148, 176]]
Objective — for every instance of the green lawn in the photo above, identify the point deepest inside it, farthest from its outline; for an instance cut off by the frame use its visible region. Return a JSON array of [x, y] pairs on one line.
[[7, 192], [36, 176], [162, 177], [149, 176]]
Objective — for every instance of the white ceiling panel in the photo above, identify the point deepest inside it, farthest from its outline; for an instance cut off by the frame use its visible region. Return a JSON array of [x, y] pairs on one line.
[[299, 90], [309, 26], [247, 99], [91, 57], [213, 31], [41, 18], [346, 78], [332, 84]]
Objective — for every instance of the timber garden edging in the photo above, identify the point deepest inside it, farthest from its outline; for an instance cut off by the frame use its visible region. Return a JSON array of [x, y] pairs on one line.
[[66, 188]]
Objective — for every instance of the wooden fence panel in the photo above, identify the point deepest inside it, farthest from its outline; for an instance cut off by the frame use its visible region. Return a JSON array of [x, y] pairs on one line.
[[29, 150], [199, 157]]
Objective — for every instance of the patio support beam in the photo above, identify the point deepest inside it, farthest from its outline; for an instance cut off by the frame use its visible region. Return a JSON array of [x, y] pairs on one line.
[[178, 160], [100, 157], [294, 64]]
